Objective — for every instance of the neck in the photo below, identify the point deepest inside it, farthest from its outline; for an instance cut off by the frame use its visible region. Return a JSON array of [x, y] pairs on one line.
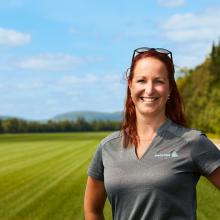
[[147, 126]]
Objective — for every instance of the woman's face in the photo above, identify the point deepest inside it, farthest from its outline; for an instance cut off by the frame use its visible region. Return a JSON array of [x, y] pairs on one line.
[[150, 87]]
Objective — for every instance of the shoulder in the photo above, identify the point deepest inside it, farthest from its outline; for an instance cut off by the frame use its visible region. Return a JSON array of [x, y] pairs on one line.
[[114, 137], [109, 143], [187, 134], [195, 141]]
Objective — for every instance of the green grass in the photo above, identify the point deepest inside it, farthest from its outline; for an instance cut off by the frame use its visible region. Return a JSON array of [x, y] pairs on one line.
[[208, 200], [43, 176]]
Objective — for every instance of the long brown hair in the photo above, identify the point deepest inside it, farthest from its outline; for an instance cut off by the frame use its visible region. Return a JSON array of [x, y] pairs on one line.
[[174, 105]]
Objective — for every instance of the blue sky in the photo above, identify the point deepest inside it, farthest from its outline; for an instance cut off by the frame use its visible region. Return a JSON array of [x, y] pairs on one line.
[[62, 56]]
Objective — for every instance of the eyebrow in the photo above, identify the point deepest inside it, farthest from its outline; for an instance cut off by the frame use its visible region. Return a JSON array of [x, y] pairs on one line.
[[142, 76]]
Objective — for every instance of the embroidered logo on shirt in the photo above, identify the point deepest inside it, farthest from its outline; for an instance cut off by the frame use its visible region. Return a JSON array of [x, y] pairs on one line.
[[172, 154]]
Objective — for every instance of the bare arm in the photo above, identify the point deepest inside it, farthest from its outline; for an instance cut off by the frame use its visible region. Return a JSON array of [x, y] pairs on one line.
[[94, 200], [214, 177]]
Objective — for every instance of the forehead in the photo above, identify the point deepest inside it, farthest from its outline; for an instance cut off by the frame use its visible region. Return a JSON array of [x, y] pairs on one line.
[[150, 65]]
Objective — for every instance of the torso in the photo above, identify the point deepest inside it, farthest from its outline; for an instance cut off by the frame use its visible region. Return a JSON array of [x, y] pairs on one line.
[[158, 181]]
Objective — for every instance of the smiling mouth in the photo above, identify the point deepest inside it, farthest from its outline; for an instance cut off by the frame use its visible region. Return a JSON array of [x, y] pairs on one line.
[[148, 99]]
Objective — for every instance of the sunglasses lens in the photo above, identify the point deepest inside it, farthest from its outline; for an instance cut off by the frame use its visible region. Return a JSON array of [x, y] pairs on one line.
[[142, 50], [161, 50], [146, 49]]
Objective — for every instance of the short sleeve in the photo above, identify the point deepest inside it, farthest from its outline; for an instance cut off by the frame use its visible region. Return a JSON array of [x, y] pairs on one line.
[[96, 168], [205, 155]]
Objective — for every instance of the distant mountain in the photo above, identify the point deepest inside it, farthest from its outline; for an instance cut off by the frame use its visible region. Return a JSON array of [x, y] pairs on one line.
[[88, 115], [73, 116]]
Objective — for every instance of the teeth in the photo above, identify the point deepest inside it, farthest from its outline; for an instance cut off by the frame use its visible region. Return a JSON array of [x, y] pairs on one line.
[[148, 99]]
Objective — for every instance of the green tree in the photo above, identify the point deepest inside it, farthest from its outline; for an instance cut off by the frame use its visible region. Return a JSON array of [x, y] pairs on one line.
[[1, 127], [201, 93]]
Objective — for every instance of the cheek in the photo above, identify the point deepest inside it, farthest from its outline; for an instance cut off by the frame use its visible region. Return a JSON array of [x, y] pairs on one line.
[[163, 90], [136, 89], [136, 93]]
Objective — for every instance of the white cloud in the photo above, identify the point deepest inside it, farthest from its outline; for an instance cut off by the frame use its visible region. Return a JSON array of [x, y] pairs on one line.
[[47, 62], [67, 84], [16, 86], [90, 79], [192, 35], [192, 54], [32, 96], [189, 27], [171, 3], [12, 38]]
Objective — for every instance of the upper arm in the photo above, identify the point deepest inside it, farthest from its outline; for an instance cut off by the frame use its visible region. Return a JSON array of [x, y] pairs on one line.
[[95, 196], [214, 177]]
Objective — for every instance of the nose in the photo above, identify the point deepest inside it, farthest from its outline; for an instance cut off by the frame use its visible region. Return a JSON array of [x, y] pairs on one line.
[[149, 88]]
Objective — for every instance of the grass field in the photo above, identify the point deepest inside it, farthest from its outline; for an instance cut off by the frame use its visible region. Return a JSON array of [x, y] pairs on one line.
[[43, 176]]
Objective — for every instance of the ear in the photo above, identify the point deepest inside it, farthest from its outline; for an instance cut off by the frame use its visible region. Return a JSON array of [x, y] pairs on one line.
[[168, 97], [170, 91], [129, 84]]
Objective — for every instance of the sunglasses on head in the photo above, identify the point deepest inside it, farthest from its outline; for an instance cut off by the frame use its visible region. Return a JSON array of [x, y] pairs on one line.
[[147, 49]]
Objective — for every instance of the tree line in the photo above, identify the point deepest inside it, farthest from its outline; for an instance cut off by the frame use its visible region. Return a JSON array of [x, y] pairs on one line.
[[15, 125]]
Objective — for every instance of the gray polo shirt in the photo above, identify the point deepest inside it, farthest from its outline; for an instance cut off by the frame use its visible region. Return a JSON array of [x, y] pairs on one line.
[[162, 184]]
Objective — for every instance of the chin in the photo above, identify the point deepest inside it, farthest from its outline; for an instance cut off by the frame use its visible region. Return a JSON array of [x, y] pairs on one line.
[[151, 112]]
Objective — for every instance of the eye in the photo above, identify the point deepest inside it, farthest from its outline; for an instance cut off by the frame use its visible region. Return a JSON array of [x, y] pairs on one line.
[[140, 81], [160, 81]]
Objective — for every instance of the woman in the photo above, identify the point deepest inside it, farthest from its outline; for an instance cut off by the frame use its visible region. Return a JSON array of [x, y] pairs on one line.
[[149, 170]]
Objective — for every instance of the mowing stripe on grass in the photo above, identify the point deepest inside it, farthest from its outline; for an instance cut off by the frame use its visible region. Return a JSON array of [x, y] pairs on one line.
[[66, 198], [47, 178], [17, 157], [30, 161], [50, 165], [23, 201]]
